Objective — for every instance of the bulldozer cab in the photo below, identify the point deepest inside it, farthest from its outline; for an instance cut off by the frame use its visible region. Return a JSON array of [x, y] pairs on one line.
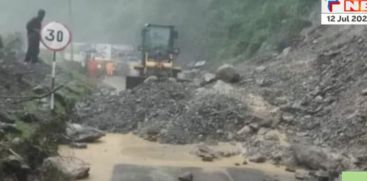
[[158, 42], [158, 54]]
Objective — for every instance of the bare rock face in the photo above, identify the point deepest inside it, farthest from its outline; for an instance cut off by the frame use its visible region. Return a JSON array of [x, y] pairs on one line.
[[227, 73], [65, 167]]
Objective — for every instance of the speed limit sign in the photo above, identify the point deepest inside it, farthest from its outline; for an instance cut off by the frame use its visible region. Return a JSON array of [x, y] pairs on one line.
[[55, 36]]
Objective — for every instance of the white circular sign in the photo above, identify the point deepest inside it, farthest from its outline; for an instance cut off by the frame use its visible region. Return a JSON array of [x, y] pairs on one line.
[[55, 36]]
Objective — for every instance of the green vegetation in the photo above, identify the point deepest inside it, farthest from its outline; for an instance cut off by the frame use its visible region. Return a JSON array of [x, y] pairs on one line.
[[241, 28]]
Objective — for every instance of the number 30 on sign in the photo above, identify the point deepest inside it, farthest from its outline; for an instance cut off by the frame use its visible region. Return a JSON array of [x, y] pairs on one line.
[[55, 36]]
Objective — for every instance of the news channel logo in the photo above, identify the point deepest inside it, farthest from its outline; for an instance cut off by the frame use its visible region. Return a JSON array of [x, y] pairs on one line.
[[343, 12], [354, 176]]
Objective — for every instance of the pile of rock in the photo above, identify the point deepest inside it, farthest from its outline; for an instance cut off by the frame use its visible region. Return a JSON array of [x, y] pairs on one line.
[[150, 104], [207, 117], [167, 111]]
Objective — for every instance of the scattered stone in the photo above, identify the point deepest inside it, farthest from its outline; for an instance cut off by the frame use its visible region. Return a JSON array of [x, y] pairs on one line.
[[301, 175], [29, 118], [261, 82], [237, 164], [290, 169], [266, 123], [310, 157], [207, 158], [151, 79], [322, 175], [262, 131], [272, 135], [5, 118], [79, 133], [189, 75], [16, 141], [287, 118], [15, 163], [260, 68], [222, 87], [281, 100], [319, 99], [172, 79], [206, 153], [188, 176], [364, 92], [277, 120], [9, 128], [40, 89], [227, 73], [78, 145], [257, 158], [230, 136], [254, 127], [245, 130], [244, 162], [209, 77], [199, 64], [69, 166], [276, 156]]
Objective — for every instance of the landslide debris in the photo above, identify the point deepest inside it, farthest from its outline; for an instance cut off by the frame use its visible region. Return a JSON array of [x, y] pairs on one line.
[[166, 111], [316, 89]]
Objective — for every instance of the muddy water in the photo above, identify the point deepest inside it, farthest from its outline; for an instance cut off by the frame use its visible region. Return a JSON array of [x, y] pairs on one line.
[[128, 149]]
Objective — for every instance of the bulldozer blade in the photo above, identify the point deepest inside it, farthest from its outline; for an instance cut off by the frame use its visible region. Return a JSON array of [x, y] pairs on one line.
[[132, 82]]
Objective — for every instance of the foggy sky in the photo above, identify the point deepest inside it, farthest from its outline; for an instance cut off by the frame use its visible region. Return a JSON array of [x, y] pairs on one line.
[[113, 21]]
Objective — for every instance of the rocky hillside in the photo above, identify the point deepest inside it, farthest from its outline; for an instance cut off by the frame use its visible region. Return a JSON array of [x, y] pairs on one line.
[[29, 132]]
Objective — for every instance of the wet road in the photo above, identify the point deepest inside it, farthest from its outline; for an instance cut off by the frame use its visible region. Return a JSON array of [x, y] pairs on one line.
[[129, 158], [144, 173]]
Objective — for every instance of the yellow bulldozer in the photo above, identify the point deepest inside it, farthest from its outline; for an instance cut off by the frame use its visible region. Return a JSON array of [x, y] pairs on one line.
[[158, 54]]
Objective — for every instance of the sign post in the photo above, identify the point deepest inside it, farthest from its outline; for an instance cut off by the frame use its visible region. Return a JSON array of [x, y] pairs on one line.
[[55, 37]]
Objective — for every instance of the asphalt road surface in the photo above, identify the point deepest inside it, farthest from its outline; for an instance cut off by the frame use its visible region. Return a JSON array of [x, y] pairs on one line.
[[145, 173], [129, 158]]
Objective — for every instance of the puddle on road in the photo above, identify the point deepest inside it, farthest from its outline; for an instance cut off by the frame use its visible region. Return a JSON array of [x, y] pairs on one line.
[[116, 149]]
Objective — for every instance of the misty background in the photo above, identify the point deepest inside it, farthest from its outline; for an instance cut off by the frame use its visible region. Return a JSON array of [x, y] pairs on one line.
[[114, 21], [213, 30]]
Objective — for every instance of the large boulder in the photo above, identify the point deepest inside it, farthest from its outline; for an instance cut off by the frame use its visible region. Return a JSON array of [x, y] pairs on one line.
[[310, 157], [15, 165], [79, 133], [68, 168], [227, 73]]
